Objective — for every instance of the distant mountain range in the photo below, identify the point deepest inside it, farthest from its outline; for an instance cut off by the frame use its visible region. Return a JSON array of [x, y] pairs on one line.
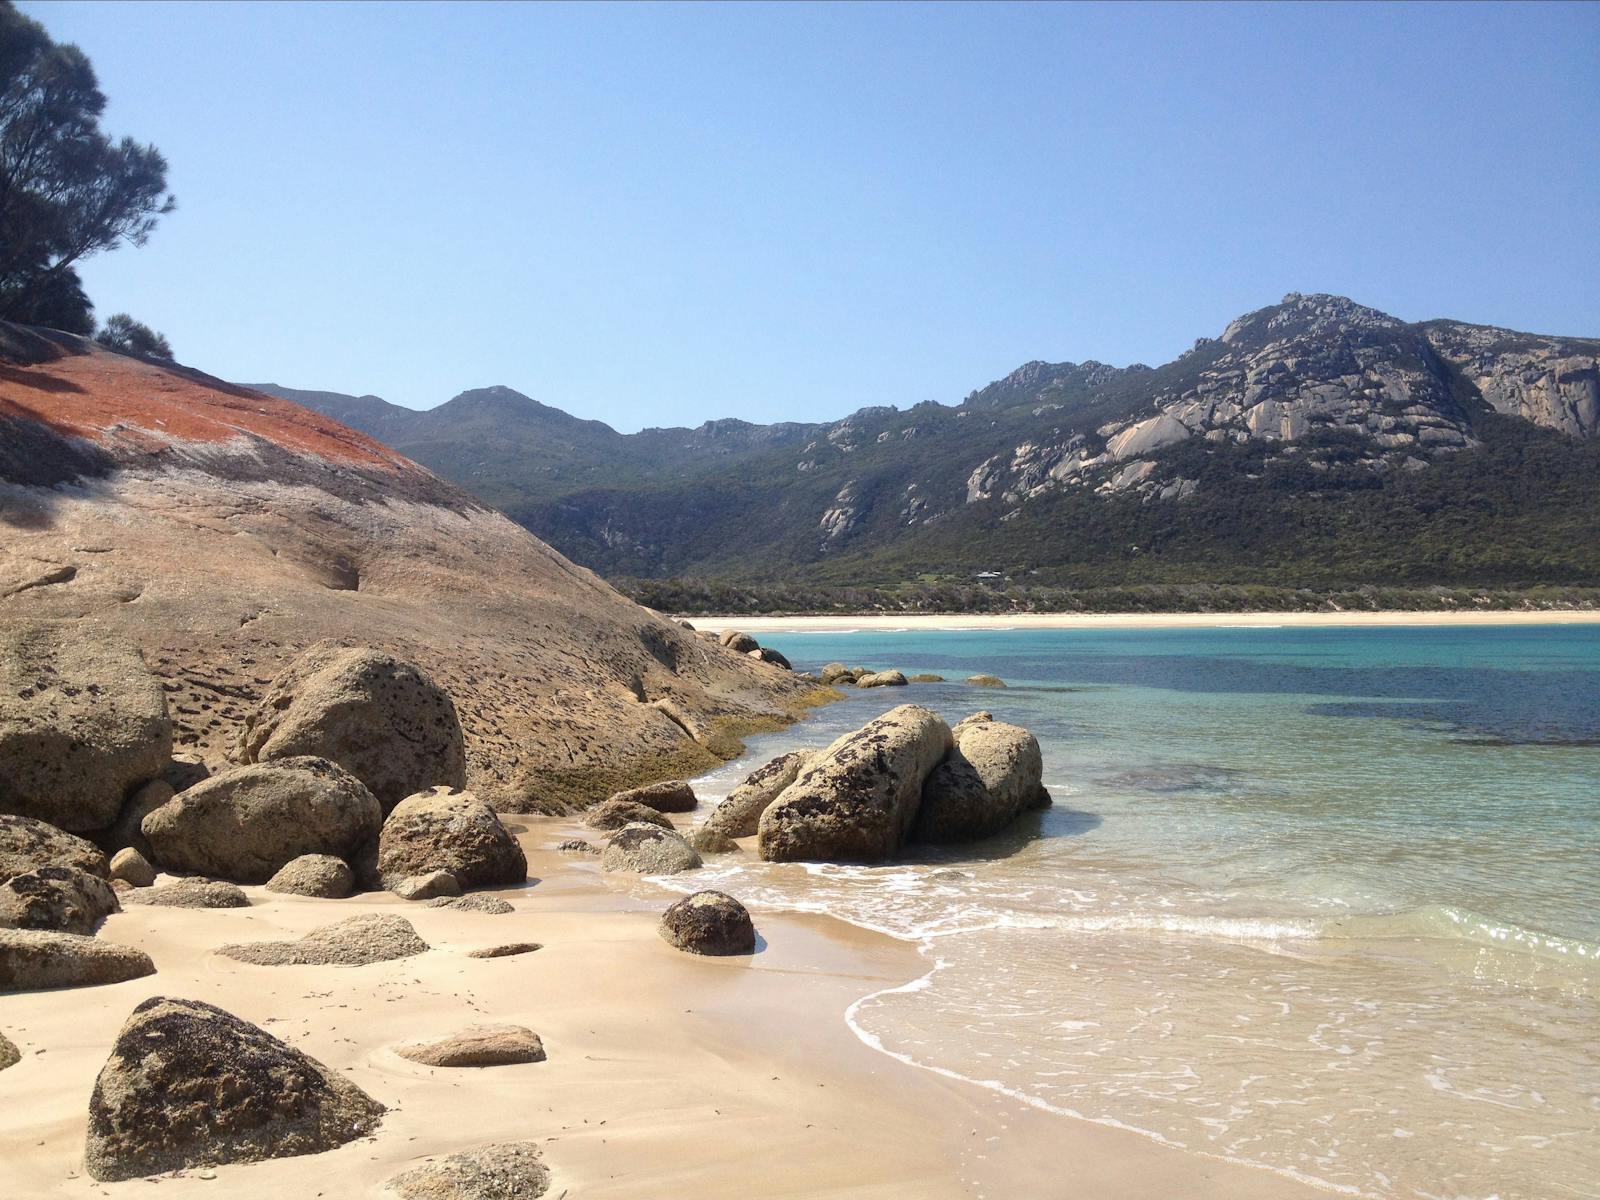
[[1314, 443]]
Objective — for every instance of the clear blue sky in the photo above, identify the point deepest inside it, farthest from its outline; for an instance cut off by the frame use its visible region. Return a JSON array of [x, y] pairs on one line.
[[655, 215]]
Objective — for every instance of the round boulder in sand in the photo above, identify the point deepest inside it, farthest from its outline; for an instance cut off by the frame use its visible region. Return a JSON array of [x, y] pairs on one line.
[[614, 814], [82, 723], [480, 1046], [61, 898], [505, 1171], [246, 823], [709, 922], [649, 850], [427, 887], [668, 796], [189, 1085], [10, 1056], [34, 959], [379, 717], [740, 814], [355, 942], [130, 866], [191, 893], [27, 844], [321, 876], [449, 831]]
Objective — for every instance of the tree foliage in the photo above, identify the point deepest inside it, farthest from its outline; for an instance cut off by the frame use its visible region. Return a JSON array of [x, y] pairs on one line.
[[123, 333], [67, 190]]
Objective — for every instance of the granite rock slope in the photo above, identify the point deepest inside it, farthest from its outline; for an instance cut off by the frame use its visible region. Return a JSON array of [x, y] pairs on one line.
[[220, 532]]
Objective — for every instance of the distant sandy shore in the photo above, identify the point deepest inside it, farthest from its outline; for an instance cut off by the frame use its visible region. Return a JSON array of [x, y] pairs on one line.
[[669, 1075], [883, 621]]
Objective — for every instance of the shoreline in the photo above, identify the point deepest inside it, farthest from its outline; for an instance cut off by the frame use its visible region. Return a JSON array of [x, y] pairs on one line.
[[888, 622], [668, 1074]]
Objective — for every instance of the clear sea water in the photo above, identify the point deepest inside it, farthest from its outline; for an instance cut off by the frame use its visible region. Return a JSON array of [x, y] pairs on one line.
[[1323, 900]]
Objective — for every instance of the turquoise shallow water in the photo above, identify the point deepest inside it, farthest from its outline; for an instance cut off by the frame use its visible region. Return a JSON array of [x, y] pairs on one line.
[[1324, 900]]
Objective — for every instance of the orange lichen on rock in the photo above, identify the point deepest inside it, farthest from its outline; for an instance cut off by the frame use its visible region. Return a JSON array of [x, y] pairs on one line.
[[121, 402]]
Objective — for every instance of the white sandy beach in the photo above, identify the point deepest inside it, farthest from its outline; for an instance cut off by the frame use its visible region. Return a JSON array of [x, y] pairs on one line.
[[1235, 620], [668, 1076]]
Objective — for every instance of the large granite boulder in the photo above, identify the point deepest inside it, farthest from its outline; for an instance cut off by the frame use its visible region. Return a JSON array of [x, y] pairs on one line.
[[377, 716], [189, 1085], [649, 850], [857, 798], [739, 815], [768, 655], [615, 813], [36, 959], [709, 922], [836, 672], [246, 823], [478, 1046], [503, 1171], [27, 844], [449, 831], [82, 723], [432, 886], [322, 876], [66, 899], [669, 796], [990, 777]]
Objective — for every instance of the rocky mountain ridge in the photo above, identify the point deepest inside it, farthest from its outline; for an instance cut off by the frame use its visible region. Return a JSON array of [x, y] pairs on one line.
[[1336, 385]]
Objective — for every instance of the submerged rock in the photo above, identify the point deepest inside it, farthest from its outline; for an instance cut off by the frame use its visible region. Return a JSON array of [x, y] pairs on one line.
[[27, 844], [927, 677], [479, 1046], [669, 796], [990, 777], [649, 850], [189, 1085], [449, 831], [248, 823], [740, 814], [66, 899], [321, 876], [354, 942], [34, 959], [709, 922], [882, 679], [993, 681], [82, 723], [578, 846], [503, 1171], [855, 801], [379, 717], [615, 813]]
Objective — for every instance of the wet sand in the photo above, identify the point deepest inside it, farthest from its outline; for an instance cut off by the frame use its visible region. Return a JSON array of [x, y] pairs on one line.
[[668, 1075]]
